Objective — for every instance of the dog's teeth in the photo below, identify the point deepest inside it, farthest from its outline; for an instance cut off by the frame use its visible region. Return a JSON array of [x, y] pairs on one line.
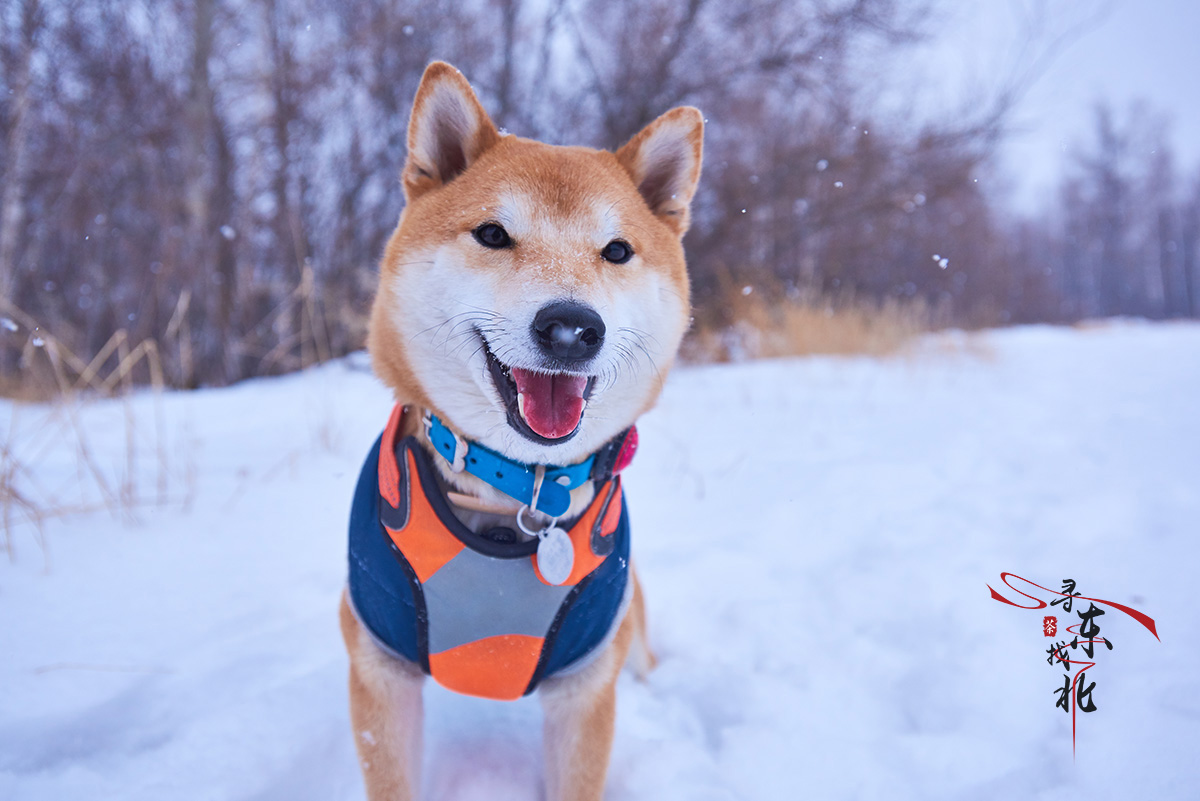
[[521, 403]]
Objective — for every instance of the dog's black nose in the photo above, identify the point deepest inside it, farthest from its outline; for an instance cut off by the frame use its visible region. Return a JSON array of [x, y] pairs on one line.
[[568, 331]]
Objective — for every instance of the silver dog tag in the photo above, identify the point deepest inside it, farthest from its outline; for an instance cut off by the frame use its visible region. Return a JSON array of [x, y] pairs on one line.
[[555, 555]]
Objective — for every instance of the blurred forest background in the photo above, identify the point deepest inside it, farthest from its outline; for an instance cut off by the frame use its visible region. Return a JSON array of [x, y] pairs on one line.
[[211, 182]]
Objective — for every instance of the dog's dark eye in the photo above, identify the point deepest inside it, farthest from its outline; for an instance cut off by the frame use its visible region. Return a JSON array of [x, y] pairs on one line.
[[492, 236], [617, 251]]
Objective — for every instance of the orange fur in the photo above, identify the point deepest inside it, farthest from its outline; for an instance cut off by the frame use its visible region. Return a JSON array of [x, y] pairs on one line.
[[563, 204]]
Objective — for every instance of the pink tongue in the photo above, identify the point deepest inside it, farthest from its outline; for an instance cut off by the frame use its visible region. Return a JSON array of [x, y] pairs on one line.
[[553, 404]]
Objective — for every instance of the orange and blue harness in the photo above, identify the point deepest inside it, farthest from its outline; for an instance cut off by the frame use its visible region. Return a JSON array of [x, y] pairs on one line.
[[474, 611]]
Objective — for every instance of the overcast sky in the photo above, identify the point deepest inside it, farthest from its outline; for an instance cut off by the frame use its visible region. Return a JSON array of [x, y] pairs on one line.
[[1147, 49]]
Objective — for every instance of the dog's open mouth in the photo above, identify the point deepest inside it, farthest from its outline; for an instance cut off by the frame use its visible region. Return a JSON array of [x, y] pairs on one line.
[[545, 407]]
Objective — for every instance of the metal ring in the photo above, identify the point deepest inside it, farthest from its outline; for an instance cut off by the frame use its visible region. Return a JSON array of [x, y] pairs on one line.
[[521, 524]]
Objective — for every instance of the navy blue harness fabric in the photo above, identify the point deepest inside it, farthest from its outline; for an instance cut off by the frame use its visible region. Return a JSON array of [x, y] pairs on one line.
[[389, 601], [588, 613], [381, 586]]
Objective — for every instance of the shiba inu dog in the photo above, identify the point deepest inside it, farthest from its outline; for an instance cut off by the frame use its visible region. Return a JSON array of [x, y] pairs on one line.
[[530, 304]]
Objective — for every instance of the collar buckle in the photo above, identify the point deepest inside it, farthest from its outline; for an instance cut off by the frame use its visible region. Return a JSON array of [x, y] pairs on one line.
[[458, 462]]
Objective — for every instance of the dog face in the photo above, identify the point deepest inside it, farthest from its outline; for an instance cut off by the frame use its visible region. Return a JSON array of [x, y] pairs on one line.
[[534, 296]]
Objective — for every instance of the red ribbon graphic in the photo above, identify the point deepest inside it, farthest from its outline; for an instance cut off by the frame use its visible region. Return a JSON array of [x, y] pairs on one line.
[[1140, 617]]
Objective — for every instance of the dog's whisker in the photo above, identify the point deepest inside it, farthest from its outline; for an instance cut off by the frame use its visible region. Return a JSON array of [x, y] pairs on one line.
[[640, 334], [653, 363], [662, 289], [437, 327], [455, 333], [491, 312], [453, 329]]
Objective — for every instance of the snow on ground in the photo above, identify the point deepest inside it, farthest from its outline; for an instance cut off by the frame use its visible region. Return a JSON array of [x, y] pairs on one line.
[[815, 537]]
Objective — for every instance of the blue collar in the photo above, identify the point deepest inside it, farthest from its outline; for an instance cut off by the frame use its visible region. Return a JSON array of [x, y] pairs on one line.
[[544, 488]]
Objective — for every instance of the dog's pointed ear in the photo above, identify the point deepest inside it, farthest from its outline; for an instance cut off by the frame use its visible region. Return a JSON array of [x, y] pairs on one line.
[[447, 132], [663, 160]]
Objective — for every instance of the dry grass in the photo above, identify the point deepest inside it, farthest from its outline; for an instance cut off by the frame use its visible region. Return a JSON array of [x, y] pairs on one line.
[[768, 324], [300, 324], [38, 432], [52, 386]]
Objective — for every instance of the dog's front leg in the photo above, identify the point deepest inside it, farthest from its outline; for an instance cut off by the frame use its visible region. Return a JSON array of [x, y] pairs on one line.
[[386, 712], [580, 713]]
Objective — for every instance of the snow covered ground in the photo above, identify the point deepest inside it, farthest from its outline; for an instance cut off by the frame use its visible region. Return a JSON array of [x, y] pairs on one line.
[[815, 537]]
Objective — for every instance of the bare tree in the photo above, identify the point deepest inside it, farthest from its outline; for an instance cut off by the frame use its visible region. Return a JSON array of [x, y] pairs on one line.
[[21, 37], [224, 182], [1189, 249]]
